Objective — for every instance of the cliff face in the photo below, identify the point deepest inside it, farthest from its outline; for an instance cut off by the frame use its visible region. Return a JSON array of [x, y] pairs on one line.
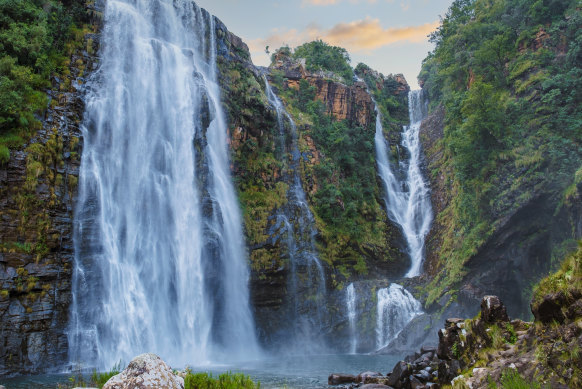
[[516, 255], [37, 197]]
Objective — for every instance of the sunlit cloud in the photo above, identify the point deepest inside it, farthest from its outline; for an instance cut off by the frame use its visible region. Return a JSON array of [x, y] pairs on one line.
[[361, 35]]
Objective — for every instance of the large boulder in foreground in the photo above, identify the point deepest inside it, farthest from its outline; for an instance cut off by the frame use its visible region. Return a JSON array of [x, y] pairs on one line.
[[146, 371]]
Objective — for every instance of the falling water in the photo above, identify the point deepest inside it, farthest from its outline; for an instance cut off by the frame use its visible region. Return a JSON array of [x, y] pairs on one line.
[[396, 308], [351, 305], [160, 259], [407, 200], [297, 222]]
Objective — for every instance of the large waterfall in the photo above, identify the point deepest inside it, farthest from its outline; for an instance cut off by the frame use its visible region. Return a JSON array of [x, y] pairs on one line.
[[160, 256], [407, 194], [306, 275]]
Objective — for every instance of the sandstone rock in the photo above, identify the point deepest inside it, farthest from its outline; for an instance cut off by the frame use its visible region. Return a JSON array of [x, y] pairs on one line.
[[146, 371], [338, 379], [493, 310]]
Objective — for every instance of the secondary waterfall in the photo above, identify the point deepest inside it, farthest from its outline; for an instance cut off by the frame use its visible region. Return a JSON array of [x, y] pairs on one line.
[[351, 305], [407, 199], [297, 221], [161, 264], [396, 308]]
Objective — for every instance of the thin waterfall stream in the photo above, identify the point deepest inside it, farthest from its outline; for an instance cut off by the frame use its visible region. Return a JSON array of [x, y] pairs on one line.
[[298, 223], [160, 264], [407, 199]]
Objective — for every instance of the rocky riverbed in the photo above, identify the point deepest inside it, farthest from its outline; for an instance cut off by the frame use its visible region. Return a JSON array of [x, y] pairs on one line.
[[475, 352]]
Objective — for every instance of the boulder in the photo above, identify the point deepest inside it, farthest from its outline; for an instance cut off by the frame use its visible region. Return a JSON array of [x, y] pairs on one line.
[[401, 371], [338, 379], [375, 386], [146, 371], [367, 377], [493, 310], [550, 308]]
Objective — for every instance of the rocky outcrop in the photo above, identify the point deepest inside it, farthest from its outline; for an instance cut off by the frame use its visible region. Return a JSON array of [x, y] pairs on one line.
[[345, 102], [37, 197], [146, 371]]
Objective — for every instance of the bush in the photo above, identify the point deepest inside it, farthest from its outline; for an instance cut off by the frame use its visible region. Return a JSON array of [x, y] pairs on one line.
[[224, 381]]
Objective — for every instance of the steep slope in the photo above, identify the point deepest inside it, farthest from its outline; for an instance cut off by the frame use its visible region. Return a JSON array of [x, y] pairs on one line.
[[503, 148], [38, 182]]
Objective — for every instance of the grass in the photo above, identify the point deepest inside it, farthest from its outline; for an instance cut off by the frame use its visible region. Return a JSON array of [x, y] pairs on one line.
[[223, 381]]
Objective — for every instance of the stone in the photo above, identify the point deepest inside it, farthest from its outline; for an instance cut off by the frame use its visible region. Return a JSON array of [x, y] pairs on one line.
[[146, 371], [375, 386], [338, 379], [366, 376], [400, 371], [550, 308], [415, 382], [493, 310]]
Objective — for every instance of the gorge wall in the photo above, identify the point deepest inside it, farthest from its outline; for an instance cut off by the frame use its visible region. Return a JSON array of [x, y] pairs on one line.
[[38, 188]]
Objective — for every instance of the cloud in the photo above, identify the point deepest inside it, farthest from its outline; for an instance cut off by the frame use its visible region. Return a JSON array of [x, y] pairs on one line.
[[356, 36]]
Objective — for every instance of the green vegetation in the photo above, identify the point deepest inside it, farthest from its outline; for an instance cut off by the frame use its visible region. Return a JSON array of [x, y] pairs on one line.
[[567, 280], [35, 38], [224, 381], [510, 379], [508, 74], [319, 55], [343, 177]]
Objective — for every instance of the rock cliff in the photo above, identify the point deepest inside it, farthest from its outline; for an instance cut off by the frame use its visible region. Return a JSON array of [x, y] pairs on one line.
[[38, 188]]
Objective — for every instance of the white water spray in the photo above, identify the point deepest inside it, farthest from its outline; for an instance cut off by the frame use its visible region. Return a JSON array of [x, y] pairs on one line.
[[298, 222], [160, 258], [351, 305], [407, 200], [396, 308]]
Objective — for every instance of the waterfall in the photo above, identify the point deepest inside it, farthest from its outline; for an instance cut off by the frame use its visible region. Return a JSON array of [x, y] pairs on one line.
[[396, 308], [407, 200], [160, 260], [298, 224], [351, 305]]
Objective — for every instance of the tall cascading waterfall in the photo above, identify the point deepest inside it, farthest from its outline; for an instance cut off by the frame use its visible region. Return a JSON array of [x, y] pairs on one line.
[[407, 200], [352, 316], [396, 308], [160, 262], [408, 205], [298, 224]]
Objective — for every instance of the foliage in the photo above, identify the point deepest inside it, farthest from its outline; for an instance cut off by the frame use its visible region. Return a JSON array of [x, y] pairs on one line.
[[33, 39], [508, 75], [340, 177], [100, 379], [322, 56], [566, 280], [224, 381], [510, 379]]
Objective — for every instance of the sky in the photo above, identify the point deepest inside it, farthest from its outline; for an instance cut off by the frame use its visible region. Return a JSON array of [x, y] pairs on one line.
[[388, 35]]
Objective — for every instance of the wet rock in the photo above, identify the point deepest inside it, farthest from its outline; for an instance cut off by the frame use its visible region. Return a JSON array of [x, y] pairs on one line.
[[369, 376], [338, 379], [401, 371], [550, 308], [146, 371], [493, 310]]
